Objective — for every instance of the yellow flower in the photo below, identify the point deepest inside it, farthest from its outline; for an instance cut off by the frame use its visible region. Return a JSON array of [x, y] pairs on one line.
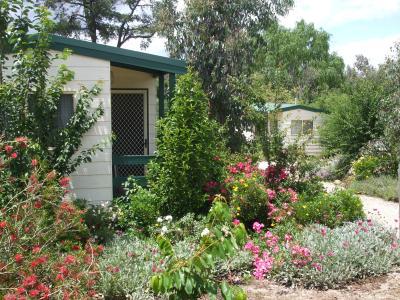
[[235, 188], [273, 224], [304, 206], [246, 185], [238, 208]]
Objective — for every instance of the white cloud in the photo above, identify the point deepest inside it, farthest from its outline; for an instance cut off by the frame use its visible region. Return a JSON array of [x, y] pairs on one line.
[[331, 13], [375, 49]]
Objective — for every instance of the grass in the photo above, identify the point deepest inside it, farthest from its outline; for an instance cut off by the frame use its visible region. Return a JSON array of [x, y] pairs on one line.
[[383, 187]]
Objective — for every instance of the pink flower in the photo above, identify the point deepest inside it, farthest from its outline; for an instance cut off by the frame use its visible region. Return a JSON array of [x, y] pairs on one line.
[[236, 222], [64, 182], [14, 155], [317, 266], [394, 245], [34, 162], [18, 258], [323, 231], [330, 253], [288, 237], [257, 227], [262, 265], [271, 194], [8, 149]]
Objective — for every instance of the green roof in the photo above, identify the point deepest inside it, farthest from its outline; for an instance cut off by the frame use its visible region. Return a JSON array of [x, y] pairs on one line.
[[290, 106], [120, 57]]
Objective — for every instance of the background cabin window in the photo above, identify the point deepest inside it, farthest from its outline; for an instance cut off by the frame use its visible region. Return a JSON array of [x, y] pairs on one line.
[[301, 127], [295, 127], [65, 110]]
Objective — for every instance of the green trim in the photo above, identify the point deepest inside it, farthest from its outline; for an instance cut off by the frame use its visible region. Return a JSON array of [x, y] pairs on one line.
[[131, 160], [120, 57], [161, 96], [304, 107]]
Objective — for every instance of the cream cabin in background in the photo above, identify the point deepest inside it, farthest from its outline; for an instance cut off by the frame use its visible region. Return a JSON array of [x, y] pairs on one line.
[[133, 96], [299, 123]]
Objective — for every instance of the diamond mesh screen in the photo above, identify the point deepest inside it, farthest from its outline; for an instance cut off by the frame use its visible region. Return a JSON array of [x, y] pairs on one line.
[[127, 113]]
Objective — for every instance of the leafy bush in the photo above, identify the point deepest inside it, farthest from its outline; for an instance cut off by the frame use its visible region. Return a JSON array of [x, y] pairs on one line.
[[41, 254], [383, 186], [329, 209], [29, 96], [126, 267], [138, 209], [188, 152], [100, 220], [365, 166], [355, 250], [189, 278]]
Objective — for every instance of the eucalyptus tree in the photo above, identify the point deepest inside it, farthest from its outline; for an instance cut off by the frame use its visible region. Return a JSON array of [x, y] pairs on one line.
[[219, 39]]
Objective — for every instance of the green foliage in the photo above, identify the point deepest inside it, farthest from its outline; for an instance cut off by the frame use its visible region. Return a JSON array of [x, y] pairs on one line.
[[331, 210], [222, 48], [29, 97], [382, 186], [189, 146], [354, 120], [105, 19], [191, 277], [300, 58], [365, 167], [138, 209], [99, 219], [343, 254], [125, 268]]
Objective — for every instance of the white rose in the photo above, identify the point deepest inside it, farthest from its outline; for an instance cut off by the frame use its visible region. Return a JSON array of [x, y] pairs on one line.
[[168, 218], [263, 165], [159, 220], [205, 232]]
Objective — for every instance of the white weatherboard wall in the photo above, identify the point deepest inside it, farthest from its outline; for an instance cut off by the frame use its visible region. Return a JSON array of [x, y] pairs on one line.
[[122, 78], [313, 146], [91, 181]]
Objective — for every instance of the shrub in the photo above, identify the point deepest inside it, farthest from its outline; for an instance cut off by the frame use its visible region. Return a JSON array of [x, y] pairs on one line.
[[323, 257], [99, 219], [191, 277], [365, 166], [383, 186], [29, 96], [188, 152], [343, 254], [329, 209], [138, 209], [126, 267], [41, 255]]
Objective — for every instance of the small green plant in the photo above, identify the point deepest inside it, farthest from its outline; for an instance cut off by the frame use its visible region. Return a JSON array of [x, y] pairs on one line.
[[383, 186], [191, 277], [329, 209], [365, 167], [138, 209], [189, 151]]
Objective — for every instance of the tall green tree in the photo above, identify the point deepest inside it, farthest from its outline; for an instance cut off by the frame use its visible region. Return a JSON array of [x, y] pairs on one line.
[[303, 60], [104, 20], [218, 39], [354, 119], [29, 96]]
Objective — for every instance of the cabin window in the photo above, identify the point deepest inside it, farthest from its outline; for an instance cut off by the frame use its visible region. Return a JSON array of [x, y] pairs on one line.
[[298, 127], [65, 110]]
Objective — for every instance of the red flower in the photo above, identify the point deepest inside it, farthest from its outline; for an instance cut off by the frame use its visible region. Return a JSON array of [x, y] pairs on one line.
[[23, 141], [59, 277], [38, 204], [64, 271], [3, 224], [34, 162], [18, 258], [10, 297], [100, 248], [30, 280], [21, 290], [64, 182], [8, 149], [75, 247], [36, 249], [34, 293], [51, 175], [14, 155], [69, 259]]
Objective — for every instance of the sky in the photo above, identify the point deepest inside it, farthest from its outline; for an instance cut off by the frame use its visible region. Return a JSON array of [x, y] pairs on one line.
[[368, 27]]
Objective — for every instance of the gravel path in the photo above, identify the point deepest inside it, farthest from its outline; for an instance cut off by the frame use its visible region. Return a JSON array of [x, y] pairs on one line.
[[382, 211]]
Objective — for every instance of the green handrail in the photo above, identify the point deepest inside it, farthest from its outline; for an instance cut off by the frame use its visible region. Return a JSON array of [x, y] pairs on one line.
[[130, 160]]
